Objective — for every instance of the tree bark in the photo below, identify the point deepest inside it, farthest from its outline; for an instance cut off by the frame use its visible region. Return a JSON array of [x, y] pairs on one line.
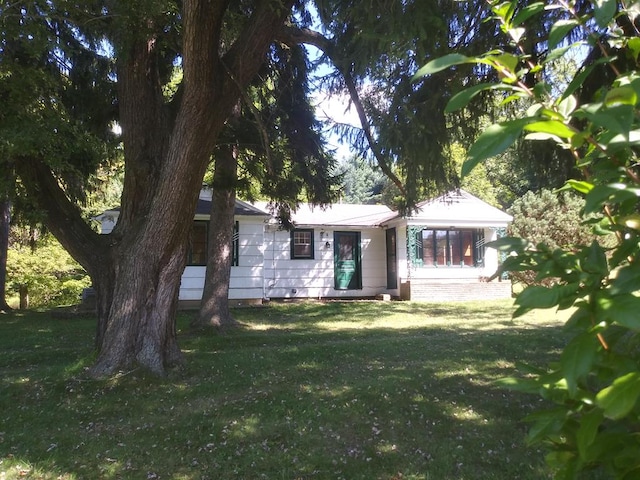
[[5, 223], [214, 308], [141, 326], [137, 268], [23, 292]]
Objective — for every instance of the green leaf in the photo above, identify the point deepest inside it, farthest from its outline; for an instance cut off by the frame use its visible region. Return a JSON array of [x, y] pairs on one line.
[[517, 33], [508, 244], [524, 385], [580, 186], [619, 398], [596, 260], [625, 95], [602, 195], [507, 61], [559, 30], [503, 10], [617, 118], [567, 105], [462, 98], [545, 423], [527, 12], [442, 63], [538, 136], [605, 10], [625, 140], [558, 53], [622, 309], [551, 127], [535, 296], [493, 141], [627, 280], [633, 44], [587, 431], [577, 358]]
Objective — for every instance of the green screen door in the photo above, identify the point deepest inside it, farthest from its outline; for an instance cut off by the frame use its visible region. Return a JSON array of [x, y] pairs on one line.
[[347, 267]]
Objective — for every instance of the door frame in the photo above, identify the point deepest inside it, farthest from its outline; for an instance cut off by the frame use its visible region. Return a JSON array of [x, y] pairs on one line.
[[391, 239]]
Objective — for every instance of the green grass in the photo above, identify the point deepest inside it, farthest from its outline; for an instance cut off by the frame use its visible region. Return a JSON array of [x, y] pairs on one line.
[[361, 390]]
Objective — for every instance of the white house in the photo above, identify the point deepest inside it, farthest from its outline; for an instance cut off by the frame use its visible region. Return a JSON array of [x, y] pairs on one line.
[[353, 251]]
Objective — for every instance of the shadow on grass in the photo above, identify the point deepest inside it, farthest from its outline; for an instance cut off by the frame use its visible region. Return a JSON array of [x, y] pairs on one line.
[[307, 402]]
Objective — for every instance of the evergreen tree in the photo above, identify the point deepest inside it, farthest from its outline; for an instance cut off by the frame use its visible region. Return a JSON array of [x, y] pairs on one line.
[[70, 69], [361, 182]]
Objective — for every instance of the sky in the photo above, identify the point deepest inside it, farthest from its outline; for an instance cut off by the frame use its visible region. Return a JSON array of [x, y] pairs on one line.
[[336, 108]]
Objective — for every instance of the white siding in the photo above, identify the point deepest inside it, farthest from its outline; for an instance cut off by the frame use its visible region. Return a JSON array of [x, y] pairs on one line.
[[287, 278], [107, 222], [246, 280]]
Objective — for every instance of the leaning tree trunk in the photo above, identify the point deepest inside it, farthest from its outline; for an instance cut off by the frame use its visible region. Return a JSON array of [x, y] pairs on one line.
[[167, 156], [214, 308]]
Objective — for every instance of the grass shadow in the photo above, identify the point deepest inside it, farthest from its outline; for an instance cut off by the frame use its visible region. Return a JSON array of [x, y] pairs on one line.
[[353, 390]]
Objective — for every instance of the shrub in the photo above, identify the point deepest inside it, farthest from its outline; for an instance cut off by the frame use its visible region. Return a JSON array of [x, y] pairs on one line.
[[49, 274], [551, 219]]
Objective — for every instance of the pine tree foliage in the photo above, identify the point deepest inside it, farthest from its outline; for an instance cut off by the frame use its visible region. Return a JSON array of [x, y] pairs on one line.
[[69, 70]]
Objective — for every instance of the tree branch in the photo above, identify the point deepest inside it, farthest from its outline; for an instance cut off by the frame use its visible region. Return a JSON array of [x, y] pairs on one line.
[[62, 217], [248, 51], [293, 36]]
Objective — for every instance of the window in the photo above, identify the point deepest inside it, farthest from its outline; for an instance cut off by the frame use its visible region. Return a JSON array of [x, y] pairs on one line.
[[197, 254], [450, 247], [301, 243], [199, 241]]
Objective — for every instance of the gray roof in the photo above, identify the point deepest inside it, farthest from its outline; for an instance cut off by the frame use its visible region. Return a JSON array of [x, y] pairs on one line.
[[203, 207], [454, 208], [242, 208], [337, 215]]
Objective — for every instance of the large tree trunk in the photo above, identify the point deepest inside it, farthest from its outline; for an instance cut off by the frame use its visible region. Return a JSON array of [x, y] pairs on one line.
[[214, 308], [141, 322], [165, 169], [5, 223], [136, 269]]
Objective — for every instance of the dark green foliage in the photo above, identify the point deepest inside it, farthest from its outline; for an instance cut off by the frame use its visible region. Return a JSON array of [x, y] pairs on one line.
[[379, 47], [361, 183], [285, 152], [593, 428]]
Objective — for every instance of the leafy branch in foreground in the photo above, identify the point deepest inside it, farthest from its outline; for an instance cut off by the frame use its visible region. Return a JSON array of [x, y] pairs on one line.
[[596, 385]]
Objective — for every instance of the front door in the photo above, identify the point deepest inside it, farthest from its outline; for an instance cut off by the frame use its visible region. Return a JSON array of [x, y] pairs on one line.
[[347, 266]]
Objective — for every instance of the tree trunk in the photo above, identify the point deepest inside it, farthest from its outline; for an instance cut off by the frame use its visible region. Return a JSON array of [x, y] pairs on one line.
[[140, 329], [5, 222], [137, 268], [214, 308], [23, 291]]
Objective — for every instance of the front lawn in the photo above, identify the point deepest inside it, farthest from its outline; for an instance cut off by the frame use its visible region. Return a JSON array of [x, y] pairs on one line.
[[353, 390]]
